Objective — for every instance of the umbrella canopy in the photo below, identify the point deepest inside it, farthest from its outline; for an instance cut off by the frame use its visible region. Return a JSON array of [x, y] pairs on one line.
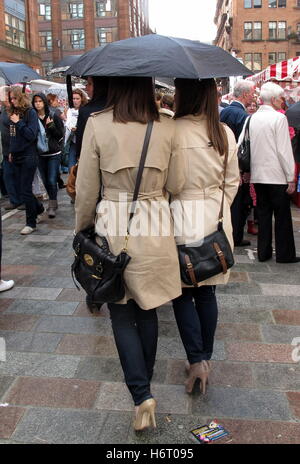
[[293, 115], [64, 64], [157, 55], [13, 73]]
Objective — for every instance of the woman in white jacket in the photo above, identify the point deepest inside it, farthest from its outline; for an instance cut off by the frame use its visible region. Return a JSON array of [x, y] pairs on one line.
[[79, 100]]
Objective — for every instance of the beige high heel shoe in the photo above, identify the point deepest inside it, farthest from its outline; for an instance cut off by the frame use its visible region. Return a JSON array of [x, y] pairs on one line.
[[199, 370], [145, 415]]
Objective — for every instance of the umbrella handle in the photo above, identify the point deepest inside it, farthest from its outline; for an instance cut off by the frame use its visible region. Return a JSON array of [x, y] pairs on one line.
[[24, 87], [69, 90]]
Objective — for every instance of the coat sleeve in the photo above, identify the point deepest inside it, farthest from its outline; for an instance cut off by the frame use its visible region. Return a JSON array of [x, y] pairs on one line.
[[176, 171], [28, 127], [284, 148], [232, 180], [88, 181]]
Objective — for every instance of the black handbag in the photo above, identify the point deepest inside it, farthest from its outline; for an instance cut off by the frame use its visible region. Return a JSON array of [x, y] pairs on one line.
[[214, 256], [98, 271], [244, 151]]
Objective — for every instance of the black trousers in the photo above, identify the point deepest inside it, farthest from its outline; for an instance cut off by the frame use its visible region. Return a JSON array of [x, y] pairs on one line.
[[136, 333], [240, 210], [196, 314], [273, 199]]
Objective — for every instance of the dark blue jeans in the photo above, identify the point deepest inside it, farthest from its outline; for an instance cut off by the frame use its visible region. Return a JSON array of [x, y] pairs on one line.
[[72, 155], [196, 313], [136, 332], [49, 170], [25, 171], [10, 181]]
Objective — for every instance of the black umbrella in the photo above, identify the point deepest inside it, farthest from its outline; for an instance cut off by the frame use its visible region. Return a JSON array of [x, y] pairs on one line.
[[13, 73], [157, 55], [64, 64], [293, 115]]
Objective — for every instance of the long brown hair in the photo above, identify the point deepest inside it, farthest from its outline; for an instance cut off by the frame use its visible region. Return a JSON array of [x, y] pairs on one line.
[[198, 97], [22, 101], [132, 99]]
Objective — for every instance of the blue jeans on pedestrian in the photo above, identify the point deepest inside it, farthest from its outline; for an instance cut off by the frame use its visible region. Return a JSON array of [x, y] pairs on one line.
[[72, 155], [49, 170], [25, 171], [196, 314], [136, 333], [10, 181]]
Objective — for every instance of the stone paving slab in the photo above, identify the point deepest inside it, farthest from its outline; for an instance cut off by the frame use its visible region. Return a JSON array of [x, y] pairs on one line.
[[36, 364], [242, 403], [30, 341], [53, 393], [44, 307], [277, 376], [68, 324]]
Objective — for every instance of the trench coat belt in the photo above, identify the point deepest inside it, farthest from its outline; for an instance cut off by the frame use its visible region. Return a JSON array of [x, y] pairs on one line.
[[112, 194], [198, 194]]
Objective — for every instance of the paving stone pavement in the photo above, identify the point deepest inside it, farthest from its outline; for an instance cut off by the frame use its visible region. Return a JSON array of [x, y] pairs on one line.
[[62, 381]]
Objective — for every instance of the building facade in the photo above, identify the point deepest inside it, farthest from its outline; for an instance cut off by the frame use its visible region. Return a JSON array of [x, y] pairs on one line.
[[71, 27], [260, 32], [19, 40]]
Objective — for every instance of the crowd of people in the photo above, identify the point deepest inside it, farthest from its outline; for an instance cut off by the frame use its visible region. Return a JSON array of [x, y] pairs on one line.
[[193, 133]]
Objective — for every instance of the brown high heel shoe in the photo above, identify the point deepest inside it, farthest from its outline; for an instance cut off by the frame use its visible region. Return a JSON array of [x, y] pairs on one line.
[[145, 416], [199, 370]]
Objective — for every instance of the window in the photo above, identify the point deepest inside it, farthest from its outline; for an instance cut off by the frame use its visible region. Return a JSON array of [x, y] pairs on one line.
[[106, 35], [72, 10], [73, 39], [298, 32], [76, 10], [46, 67], [248, 60], [275, 3], [281, 56], [253, 31], [272, 58], [14, 31], [44, 10], [277, 31], [247, 3], [257, 62], [106, 8], [298, 3], [257, 3], [257, 31], [253, 61], [281, 33], [45, 41], [247, 31]]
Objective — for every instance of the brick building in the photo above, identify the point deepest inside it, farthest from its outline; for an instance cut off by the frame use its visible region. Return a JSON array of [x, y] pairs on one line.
[[19, 41], [71, 27], [261, 32]]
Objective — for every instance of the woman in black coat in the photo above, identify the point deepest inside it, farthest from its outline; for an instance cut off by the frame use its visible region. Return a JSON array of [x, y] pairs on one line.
[[23, 153], [49, 160]]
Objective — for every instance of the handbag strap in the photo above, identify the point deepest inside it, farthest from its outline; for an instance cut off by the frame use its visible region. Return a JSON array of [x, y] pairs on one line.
[[139, 178], [220, 219]]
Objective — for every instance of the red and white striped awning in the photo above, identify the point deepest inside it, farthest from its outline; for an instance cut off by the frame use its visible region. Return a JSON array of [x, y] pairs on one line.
[[288, 69]]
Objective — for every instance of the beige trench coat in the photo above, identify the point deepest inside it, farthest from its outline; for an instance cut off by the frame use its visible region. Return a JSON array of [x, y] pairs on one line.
[[109, 160], [204, 177]]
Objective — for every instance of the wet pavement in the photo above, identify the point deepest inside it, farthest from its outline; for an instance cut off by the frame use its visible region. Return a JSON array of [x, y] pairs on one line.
[[61, 381]]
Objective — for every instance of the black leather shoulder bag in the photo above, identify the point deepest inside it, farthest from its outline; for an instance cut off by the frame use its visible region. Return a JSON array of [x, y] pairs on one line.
[[98, 271], [244, 151], [214, 256]]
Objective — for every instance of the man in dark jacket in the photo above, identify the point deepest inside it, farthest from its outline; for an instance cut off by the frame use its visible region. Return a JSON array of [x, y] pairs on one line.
[[234, 116], [96, 88]]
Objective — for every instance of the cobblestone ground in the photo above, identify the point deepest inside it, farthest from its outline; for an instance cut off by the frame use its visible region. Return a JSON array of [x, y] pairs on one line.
[[62, 382]]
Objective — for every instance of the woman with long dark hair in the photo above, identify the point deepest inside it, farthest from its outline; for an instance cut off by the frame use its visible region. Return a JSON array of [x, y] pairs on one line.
[[49, 161], [203, 142], [109, 160], [23, 153], [79, 100]]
